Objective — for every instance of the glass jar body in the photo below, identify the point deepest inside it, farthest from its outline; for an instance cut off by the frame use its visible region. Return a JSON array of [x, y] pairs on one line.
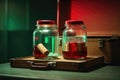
[[74, 42], [48, 36]]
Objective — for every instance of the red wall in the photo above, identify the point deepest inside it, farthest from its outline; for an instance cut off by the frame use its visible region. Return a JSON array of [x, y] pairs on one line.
[[102, 17]]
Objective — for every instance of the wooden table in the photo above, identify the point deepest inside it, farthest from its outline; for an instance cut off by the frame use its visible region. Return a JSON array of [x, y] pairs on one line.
[[103, 73]]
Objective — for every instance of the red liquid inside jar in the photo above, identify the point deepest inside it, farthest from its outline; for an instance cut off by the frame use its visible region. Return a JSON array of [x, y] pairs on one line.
[[37, 54], [75, 51]]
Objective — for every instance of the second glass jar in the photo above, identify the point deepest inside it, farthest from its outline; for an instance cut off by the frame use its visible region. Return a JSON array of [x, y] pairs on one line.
[[74, 40]]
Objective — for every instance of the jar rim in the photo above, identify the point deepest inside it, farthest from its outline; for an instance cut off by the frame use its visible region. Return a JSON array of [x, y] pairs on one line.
[[73, 22], [42, 22]]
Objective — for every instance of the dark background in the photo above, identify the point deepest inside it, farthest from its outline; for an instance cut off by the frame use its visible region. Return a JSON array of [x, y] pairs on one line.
[[17, 23]]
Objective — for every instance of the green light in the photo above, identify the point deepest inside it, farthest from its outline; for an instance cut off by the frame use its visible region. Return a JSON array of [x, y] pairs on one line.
[[46, 39], [84, 38], [53, 44], [45, 30]]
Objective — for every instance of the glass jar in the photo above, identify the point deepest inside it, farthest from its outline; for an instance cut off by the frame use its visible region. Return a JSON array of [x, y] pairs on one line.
[[74, 40], [45, 39]]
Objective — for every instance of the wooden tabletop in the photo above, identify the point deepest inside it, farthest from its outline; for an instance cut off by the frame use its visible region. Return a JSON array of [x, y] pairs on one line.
[[103, 73]]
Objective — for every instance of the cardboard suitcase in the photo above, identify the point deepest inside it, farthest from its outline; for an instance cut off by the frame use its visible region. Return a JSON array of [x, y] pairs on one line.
[[60, 63]]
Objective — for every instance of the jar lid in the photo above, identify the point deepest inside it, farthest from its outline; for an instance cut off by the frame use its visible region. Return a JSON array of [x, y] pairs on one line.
[[42, 22], [73, 22]]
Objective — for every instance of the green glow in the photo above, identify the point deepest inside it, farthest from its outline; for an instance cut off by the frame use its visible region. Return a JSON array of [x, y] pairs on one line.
[[46, 39], [53, 44], [84, 38], [18, 15], [46, 30]]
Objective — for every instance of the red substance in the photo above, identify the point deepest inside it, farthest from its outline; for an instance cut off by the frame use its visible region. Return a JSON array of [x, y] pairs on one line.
[[37, 54], [76, 51]]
